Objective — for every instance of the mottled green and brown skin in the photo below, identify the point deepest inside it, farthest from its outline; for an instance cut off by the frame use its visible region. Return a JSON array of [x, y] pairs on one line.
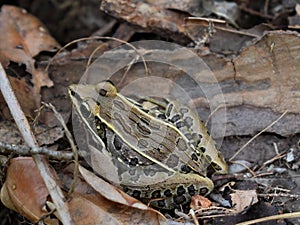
[[160, 155]]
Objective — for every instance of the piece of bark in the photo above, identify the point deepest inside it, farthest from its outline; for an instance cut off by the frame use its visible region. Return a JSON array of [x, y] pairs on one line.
[[148, 17], [173, 24], [265, 83]]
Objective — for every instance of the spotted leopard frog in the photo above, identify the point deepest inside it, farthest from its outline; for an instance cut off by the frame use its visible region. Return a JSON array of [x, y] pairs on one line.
[[152, 153]]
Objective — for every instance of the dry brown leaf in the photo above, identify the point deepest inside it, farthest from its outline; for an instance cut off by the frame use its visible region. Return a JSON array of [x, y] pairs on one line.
[[22, 37], [118, 205], [94, 209], [24, 189], [110, 192], [199, 201], [243, 199], [25, 95]]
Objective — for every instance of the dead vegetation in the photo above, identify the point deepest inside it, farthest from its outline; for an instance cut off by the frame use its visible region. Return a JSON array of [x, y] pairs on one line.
[[250, 47]]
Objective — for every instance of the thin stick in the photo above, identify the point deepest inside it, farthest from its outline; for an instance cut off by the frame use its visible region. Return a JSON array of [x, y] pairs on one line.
[[205, 19], [213, 112], [268, 218], [276, 157], [73, 146], [237, 32], [123, 42], [192, 213], [268, 127], [246, 167], [98, 38], [25, 150], [279, 195], [41, 162]]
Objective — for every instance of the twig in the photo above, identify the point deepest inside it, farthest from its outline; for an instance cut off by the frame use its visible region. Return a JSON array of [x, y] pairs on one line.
[[41, 162], [204, 19], [276, 157], [268, 127], [73, 146], [246, 167], [192, 213], [279, 195], [125, 43], [25, 150], [276, 148], [263, 174], [128, 67], [268, 218], [237, 32], [213, 112], [99, 38]]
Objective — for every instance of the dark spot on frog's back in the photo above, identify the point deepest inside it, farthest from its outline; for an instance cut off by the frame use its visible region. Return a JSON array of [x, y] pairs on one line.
[[197, 138], [179, 124], [168, 193], [175, 118], [117, 143], [194, 157], [202, 149], [179, 199], [169, 109], [185, 169], [183, 110], [136, 194], [134, 161], [156, 194], [181, 144], [191, 190], [181, 190], [161, 203], [132, 172], [161, 116], [145, 120], [189, 121], [172, 161], [143, 129], [149, 172], [188, 136], [148, 122]]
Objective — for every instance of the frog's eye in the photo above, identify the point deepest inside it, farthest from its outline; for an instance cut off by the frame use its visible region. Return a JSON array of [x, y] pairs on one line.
[[106, 89]]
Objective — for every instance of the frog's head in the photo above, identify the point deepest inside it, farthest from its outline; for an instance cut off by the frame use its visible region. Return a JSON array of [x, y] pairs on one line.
[[87, 98]]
